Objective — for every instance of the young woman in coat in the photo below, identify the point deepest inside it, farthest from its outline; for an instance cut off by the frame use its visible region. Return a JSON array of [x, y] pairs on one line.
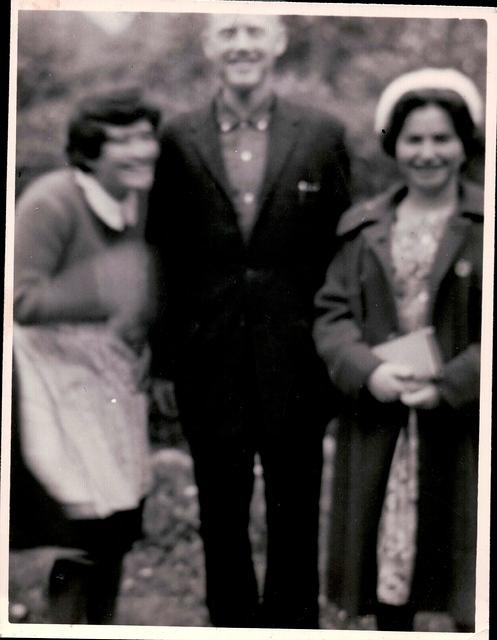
[[403, 527]]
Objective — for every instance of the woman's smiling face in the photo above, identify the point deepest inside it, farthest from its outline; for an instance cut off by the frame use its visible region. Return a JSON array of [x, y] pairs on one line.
[[127, 158], [428, 151]]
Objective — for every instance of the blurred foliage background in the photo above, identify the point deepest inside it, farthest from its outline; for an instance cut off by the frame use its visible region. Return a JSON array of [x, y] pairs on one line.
[[339, 64]]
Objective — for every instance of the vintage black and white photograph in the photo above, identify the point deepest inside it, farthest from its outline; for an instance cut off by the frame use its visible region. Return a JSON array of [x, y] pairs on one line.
[[247, 319]]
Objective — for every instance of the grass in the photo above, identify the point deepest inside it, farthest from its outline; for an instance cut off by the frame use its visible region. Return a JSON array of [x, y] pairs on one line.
[[163, 582]]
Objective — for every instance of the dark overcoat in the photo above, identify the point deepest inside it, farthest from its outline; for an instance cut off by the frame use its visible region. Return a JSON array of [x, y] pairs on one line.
[[357, 310], [216, 284]]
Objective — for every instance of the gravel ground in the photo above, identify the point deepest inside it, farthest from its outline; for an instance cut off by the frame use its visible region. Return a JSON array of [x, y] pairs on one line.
[[163, 578]]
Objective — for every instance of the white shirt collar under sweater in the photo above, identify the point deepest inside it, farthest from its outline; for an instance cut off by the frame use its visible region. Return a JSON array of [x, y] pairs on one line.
[[116, 214]]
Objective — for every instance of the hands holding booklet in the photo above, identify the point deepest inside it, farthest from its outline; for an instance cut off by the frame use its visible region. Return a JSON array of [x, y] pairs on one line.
[[411, 367]]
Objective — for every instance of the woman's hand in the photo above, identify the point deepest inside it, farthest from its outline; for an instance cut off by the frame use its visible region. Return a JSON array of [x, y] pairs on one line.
[[132, 331], [427, 397], [389, 381]]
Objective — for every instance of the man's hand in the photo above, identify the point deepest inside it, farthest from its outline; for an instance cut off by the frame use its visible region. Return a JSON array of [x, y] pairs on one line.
[[164, 397], [389, 380], [427, 397]]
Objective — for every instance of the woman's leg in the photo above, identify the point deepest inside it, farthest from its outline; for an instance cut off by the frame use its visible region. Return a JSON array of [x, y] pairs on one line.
[[67, 589], [84, 590], [392, 618], [108, 542]]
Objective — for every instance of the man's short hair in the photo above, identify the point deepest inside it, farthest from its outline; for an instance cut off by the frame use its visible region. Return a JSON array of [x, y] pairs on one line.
[[86, 132], [209, 17]]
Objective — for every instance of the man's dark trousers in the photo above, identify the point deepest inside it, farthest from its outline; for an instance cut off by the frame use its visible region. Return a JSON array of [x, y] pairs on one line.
[[234, 333]]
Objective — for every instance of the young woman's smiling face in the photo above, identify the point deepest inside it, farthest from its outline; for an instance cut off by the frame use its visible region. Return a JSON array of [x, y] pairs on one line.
[[428, 151], [127, 158]]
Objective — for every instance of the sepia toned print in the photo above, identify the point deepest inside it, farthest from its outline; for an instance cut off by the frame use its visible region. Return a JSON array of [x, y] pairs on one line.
[[201, 433]]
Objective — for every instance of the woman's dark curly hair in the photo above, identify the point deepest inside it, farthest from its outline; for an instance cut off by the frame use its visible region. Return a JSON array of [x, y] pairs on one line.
[[86, 132]]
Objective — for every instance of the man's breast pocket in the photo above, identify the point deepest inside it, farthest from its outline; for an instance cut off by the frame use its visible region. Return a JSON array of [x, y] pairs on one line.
[[308, 191]]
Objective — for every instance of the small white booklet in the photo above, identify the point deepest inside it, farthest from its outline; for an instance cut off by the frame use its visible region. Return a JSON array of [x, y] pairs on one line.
[[418, 349]]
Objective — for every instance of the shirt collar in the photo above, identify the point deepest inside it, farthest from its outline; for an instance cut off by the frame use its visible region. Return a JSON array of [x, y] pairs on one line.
[[228, 118], [116, 214]]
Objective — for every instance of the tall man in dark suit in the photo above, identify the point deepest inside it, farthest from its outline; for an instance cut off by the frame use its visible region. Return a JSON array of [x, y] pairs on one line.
[[247, 195]]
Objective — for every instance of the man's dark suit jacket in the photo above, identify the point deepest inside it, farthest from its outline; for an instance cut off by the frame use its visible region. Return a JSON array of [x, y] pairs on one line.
[[217, 287]]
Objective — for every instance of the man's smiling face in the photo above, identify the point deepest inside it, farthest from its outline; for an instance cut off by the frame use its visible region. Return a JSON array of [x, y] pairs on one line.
[[244, 48]]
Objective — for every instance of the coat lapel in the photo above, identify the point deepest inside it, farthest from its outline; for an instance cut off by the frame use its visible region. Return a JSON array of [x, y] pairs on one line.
[[206, 137], [380, 212], [456, 233], [377, 238], [450, 244], [282, 138]]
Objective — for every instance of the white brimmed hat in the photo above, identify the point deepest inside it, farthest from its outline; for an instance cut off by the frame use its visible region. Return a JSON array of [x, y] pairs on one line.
[[428, 78]]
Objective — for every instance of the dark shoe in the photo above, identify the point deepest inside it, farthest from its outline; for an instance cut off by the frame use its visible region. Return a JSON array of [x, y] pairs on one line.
[[67, 588]]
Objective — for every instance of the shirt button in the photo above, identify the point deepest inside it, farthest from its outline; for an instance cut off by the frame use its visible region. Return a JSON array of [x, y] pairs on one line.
[[246, 156], [262, 125], [225, 127], [248, 197]]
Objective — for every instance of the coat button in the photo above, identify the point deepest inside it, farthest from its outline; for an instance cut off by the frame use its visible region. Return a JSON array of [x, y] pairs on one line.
[[463, 268]]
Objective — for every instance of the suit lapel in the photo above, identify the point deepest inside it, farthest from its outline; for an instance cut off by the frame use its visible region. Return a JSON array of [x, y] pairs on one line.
[[206, 137], [282, 137]]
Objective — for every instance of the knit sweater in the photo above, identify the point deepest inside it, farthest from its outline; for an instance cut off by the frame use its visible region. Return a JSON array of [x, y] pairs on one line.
[[69, 266]]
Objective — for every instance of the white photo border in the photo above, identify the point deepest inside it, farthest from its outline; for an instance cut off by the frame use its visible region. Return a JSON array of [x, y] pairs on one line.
[[19, 630]]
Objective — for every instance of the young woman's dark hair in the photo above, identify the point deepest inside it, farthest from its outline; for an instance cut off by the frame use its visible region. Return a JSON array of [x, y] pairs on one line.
[[448, 100], [86, 132]]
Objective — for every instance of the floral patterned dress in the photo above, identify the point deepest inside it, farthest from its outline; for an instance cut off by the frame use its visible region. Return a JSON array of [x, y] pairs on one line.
[[414, 242]]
